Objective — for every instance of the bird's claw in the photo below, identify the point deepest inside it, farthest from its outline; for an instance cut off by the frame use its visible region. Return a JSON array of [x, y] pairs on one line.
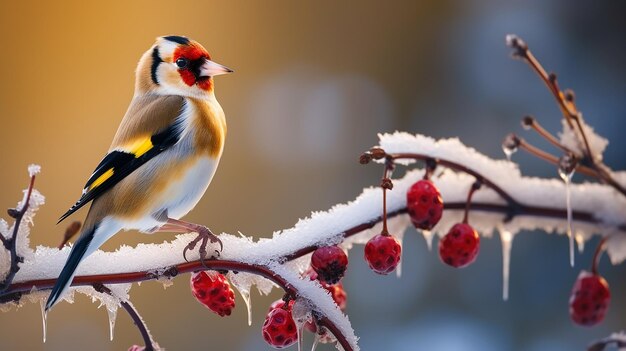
[[204, 235]]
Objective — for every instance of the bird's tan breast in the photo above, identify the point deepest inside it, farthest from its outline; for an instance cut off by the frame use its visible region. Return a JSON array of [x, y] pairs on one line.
[[208, 125]]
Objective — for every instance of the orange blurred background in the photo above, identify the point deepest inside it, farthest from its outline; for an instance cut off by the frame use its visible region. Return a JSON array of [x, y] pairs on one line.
[[313, 85]]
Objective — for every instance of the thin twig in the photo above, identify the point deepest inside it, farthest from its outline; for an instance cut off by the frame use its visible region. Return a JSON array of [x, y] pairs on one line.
[[546, 156], [531, 122], [522, 52], [568, 108], [12, 242], [459, 167], [134, 315], [475, 186]]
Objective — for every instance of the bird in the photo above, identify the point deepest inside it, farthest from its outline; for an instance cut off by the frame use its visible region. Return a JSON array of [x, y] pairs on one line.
[[162, 158]]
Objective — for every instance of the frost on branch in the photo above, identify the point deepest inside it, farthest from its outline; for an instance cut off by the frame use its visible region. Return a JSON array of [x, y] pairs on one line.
[[602, 202], [569, 139], [22, 243], [539, 204]]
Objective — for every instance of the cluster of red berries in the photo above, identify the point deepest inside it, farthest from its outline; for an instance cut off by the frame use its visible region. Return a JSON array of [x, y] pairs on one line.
[[328, 265], [459, 247]]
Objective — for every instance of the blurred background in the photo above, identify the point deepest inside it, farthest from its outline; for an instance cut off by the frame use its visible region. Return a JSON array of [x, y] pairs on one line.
[[314, 84]]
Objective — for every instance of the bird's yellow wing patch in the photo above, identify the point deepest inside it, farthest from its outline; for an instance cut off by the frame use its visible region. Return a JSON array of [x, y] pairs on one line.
[[139, 146], [101, 179]]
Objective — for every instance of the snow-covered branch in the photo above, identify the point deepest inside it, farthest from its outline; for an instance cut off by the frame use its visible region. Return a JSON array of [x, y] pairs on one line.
[[534, 203]]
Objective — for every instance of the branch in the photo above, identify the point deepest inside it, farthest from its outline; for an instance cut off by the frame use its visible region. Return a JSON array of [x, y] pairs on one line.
[[572, 115], [268, 258], [11, 243]]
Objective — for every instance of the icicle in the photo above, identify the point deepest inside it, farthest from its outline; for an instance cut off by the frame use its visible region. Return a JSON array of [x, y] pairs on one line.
[[300, 338], [506, 238], [243, 284], [245, 295], [580, 240], [315, 342], [509, 145], [301, 314], [44, 318], [112, 317], [509, 153], [400, 238], [567, 178], [428, 236]]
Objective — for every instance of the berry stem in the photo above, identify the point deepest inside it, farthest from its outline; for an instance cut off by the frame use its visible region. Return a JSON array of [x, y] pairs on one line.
[[475, 186], [430, 164], [386, 184], [597, 255]]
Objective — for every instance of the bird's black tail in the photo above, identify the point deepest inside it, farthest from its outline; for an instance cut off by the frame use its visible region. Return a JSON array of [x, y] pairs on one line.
[[69, 270]]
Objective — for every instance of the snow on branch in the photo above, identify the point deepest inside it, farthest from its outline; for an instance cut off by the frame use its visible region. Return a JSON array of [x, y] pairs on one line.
[[508, 203]]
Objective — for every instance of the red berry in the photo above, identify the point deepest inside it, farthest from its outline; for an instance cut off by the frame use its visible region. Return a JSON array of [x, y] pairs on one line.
[[213, 291], [459, 248], [590, 299], [382, 253], [338, 294], [330, 263], [279, 329], [424, 204], [336, 291]]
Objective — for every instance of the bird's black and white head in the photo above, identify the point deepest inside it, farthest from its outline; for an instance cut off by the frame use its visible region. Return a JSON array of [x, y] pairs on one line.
[[176, 65]]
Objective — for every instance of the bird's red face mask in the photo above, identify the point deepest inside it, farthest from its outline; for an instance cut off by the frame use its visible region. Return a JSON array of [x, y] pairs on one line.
[[195, 66]]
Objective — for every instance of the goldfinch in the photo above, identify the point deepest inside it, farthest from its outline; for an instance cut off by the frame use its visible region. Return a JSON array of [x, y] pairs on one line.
[[162, 158]]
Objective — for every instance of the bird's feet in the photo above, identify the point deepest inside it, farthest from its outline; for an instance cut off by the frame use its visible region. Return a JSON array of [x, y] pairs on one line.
[[204, 235]]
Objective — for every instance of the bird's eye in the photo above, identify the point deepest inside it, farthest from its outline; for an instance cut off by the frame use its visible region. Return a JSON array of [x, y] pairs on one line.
[[182, 62]]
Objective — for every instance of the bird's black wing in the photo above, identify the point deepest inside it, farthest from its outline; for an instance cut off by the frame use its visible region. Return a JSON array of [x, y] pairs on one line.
[[118, 164]]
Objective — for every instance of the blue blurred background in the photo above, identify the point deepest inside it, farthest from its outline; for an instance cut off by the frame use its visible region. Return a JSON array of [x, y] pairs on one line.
[[314, 84]]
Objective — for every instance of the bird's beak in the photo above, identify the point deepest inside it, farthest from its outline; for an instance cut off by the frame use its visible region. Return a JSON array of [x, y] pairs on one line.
[[212, 69]]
